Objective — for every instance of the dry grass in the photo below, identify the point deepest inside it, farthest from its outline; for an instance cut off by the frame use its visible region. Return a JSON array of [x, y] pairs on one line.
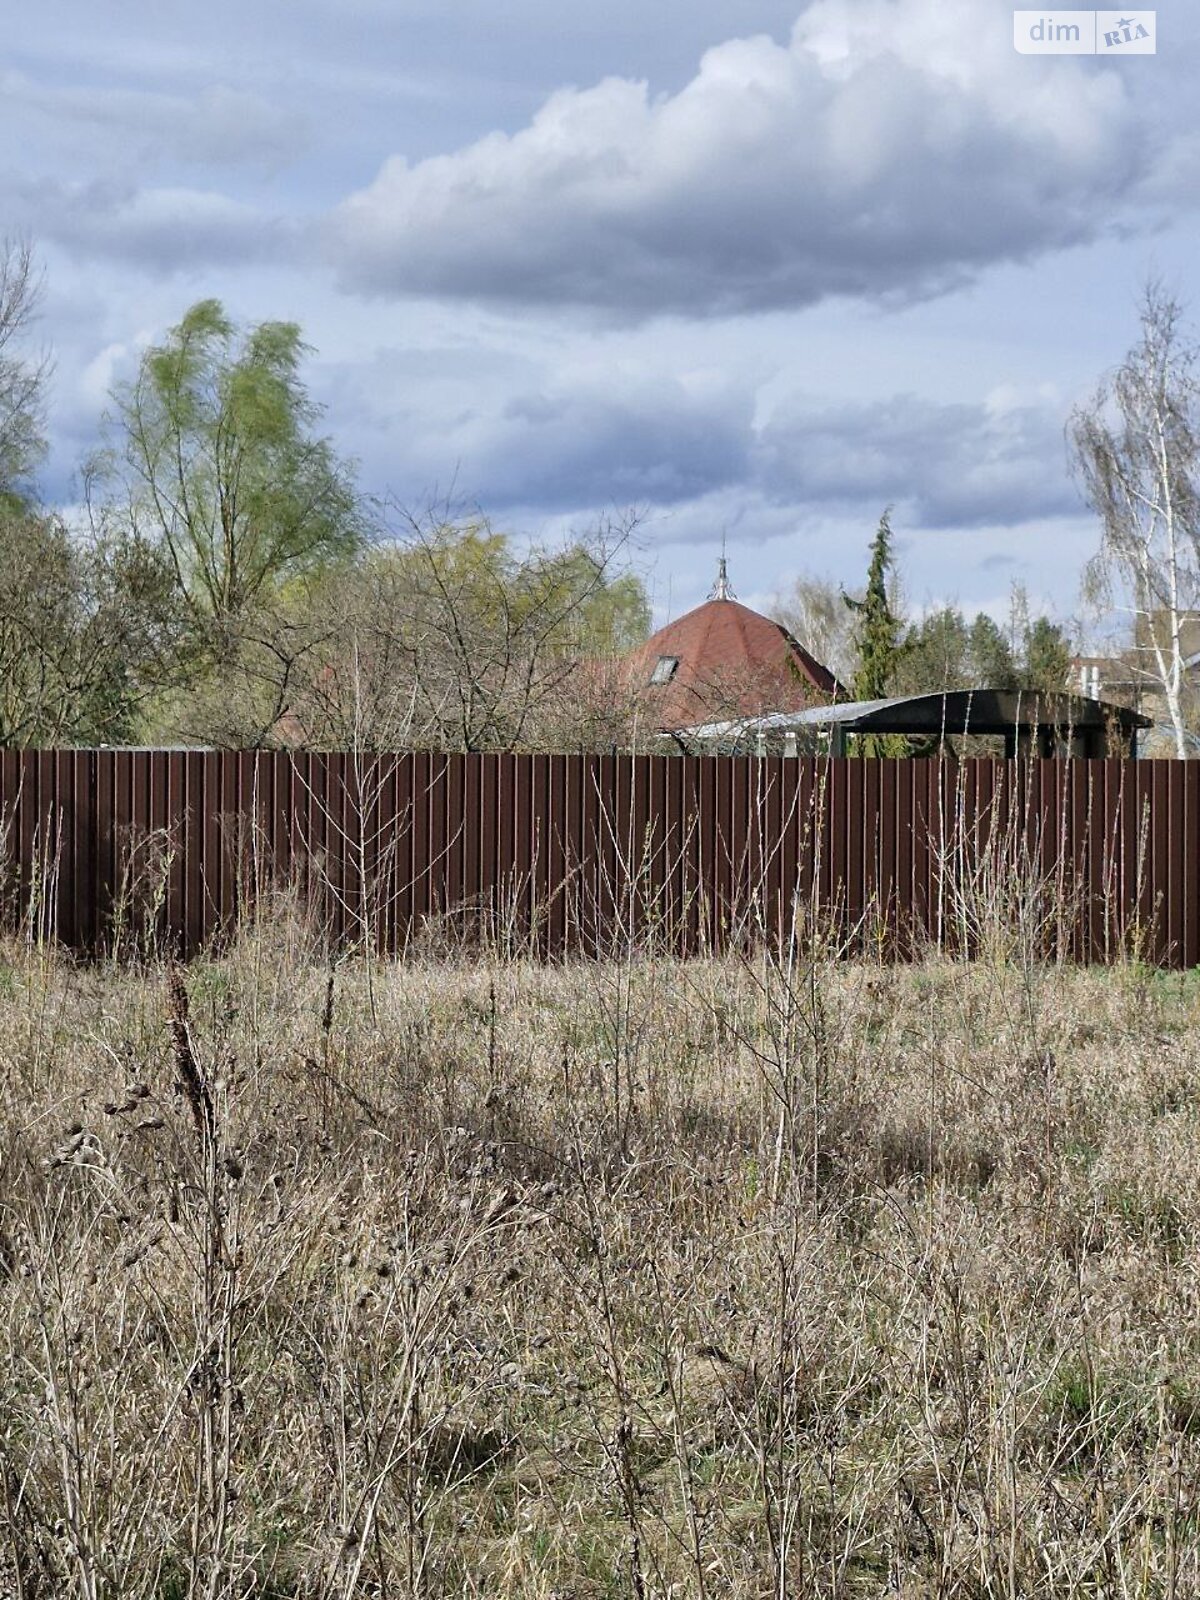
[[714, 1280]]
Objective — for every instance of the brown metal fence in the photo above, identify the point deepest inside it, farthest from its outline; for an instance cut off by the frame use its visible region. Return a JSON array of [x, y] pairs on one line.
[[1084, 859]]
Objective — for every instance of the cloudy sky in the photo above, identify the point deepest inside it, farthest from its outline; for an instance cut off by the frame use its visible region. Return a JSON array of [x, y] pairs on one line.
[[754, 269]]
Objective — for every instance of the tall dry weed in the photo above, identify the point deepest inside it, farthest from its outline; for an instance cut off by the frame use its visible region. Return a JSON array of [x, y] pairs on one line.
[[299, 1298]]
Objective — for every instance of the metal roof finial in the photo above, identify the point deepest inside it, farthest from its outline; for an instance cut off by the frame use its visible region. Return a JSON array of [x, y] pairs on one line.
[[722, 589]]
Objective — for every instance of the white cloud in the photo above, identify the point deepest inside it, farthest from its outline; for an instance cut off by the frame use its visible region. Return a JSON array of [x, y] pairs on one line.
[[95, 383], [890, 149]]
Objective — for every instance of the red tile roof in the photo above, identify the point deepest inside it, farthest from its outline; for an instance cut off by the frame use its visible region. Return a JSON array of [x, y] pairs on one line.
[[732, 662]]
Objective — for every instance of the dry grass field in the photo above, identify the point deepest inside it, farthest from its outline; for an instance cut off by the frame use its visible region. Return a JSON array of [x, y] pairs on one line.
[[717, 1280]]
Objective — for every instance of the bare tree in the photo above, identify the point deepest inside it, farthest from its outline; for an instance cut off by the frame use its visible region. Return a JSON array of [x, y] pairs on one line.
[[445, 637], [815, 614], [449, 639], [22, 378], [1137, 450], [249, 693]]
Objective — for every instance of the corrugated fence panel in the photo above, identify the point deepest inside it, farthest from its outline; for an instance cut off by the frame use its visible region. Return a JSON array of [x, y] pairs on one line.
[[98, 848], [1187, 862]]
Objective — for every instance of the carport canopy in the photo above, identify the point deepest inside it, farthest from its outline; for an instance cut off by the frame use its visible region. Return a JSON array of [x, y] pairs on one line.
[[1031, 722]]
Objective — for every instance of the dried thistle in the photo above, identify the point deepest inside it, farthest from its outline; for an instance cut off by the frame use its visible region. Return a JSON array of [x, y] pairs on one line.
[[327, 1012], [191, 1079]]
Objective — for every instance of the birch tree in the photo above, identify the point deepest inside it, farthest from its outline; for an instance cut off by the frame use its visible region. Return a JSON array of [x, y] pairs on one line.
[[814, 613], [1137, 450]]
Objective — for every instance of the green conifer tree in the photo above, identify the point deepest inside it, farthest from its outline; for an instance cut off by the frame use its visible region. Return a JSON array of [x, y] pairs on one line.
[[879, 638]]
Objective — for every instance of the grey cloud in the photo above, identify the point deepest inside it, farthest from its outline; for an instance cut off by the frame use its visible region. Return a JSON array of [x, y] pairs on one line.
[[889, 150], [163, 229], [556, 448], [509, 435], [216, 125], [952, 465], [558, 445]]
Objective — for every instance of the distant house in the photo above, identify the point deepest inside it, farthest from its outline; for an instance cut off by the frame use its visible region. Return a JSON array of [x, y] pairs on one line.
[[1134, 672], [722, 661], [1112, 678], [1131, 679]]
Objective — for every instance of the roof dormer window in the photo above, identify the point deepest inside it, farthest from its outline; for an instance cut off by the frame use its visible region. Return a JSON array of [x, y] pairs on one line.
[[664, 669]]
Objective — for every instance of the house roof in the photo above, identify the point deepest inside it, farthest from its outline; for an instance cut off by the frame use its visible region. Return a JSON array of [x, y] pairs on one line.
[[729, 661]]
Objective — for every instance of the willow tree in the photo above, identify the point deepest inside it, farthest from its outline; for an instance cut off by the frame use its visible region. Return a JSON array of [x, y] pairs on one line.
[[224, 466]]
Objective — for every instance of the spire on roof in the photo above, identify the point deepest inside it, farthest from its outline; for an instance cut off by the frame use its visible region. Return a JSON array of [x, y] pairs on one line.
[[722, 589]]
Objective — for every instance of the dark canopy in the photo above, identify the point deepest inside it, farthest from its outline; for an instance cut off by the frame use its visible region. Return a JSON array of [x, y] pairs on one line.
[[1030, 722]]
